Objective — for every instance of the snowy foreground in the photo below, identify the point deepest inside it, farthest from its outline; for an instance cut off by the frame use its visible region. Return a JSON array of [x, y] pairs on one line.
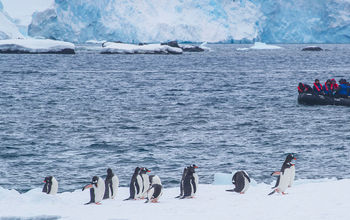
[[123, 48], [36, 46], [307, 199]]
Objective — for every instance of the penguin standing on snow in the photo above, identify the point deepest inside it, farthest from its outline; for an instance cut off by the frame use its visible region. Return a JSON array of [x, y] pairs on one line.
[[182, 183], [285, 176], [51, 185], [97, 190], [190, 182], [111, 185], [145, 181], [241, 181], [154, 192], [135, 185]]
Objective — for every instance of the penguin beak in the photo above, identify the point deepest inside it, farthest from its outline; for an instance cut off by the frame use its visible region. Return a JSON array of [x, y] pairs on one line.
[[148, 171], [195, 166], [44, 181]]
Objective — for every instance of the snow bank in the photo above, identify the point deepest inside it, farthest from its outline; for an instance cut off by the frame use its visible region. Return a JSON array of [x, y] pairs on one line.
[[36, 46], [122, 48], [261, 46], [307, 199]]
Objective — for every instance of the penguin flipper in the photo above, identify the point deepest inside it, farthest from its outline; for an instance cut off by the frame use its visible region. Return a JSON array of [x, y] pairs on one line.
[[230, 190], [276, 173], [178, 196], [271, 193], [128, 199], [147, 201], [88, 203]]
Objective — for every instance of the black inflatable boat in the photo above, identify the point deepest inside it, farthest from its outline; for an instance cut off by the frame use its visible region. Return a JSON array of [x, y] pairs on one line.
[[310, 99]]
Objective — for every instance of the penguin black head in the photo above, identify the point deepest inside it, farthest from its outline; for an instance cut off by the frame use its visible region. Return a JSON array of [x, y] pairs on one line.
[[94, 180], [137, 170], [290, 159], [109, 172], [194, 166], [144, 170], [48, 179]]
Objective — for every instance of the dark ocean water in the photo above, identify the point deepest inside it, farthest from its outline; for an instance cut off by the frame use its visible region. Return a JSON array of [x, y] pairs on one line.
[[72, 116]]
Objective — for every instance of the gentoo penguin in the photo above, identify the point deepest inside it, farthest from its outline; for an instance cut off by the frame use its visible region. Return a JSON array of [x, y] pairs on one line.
[[145, 181], [111, 185], [154, 179], [154, 192], [51, 185], [97, 190], [285, 176], [241, 181], [182, 183], [135, 185], [190, 182]]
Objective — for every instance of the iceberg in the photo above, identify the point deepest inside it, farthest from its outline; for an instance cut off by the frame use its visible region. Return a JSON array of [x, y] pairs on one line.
[[36, 46], [306, 199], [261, 46], [123, 48]]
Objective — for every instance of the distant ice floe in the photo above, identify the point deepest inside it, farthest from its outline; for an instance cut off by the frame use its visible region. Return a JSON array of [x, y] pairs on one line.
[[123, 48], [261, 46], [36, 46], [307, 199]]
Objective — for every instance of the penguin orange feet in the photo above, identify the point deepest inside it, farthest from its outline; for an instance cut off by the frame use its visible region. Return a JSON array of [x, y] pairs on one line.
[[283, 193], [154, 200], [98, 203], [241, 193]]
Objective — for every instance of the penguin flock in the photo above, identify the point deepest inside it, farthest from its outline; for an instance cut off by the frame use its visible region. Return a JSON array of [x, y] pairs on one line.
[[149, 187]]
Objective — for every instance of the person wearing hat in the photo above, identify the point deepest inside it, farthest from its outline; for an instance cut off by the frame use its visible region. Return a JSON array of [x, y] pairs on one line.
[[334, 85], [318, 89], [343, 89]]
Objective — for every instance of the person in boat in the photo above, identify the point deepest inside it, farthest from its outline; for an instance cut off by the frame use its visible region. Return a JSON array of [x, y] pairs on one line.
[[304, 88], [334, 85], [318, 89], [328, 91], [343, 89]]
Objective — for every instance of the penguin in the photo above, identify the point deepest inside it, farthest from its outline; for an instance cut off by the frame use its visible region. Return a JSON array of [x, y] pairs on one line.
[[51, 185], [154, 179], [111, 185], [154, 193], [135, 185], [190, 182], [241, 181], [145, 181], [182, 183], [97, 190], [285, 175]]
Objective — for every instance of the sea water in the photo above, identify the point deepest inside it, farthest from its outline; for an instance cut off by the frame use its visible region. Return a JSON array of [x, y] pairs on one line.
[[73, 116]]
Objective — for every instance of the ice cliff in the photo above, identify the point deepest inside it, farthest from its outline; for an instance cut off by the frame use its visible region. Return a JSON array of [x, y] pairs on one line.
[[270, 21]]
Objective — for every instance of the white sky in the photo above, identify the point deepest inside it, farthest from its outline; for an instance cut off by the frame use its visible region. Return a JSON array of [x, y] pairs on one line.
[[23, 9]]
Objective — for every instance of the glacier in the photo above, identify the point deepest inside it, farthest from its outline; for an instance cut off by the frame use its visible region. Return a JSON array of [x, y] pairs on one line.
[[225, 21], [8, 30], [233, 21]]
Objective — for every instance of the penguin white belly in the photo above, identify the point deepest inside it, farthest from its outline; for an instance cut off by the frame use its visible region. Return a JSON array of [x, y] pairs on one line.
[[284, 180], [54, 186], [139, 185], [115, 185], [156, 180], [292, 168], [99, 190], [246, 185], [145, 185], [196, 180]]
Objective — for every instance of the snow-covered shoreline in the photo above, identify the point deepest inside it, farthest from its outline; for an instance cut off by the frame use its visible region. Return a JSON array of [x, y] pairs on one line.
[[36, 46], [307, 199], [123, 48]]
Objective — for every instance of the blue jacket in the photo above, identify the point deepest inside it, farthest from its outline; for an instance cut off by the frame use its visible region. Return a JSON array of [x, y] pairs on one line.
[[327, 90], [343, 89]]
